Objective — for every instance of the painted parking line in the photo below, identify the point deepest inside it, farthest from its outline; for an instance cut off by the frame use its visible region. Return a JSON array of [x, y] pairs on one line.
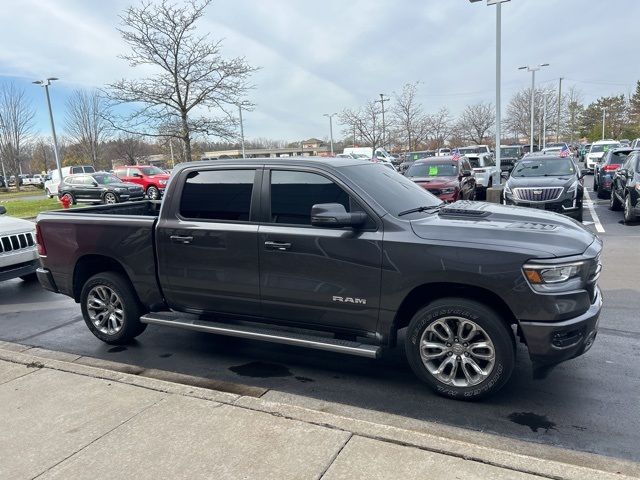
[[592, 210]]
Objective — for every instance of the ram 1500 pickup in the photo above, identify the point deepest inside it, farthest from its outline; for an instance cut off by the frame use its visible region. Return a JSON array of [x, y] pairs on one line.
[[338, 255]]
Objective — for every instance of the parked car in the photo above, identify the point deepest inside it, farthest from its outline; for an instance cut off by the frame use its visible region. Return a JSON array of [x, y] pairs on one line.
[[3, 183], [443, 152], [18, 254], [475, 150], [484, 171], [606, 168], [554, 151], [51, 185], [445, 177], [336, 255], [152, 179], [625, 188], [635, 143], [509, 155], [526, 149], [380, 152], [547, 183], [597, 151], [625, 142], [99, 187]]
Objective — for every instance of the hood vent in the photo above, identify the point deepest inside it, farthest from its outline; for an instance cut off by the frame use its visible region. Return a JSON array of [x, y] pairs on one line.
[[464, 209], [538, 227]]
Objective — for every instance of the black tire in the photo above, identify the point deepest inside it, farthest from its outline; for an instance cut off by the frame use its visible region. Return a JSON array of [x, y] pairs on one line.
[[493, 327], [580, 216], [153, 193], [614, 202], [131, 326], [629, 217], [601, 193], [31, 277], [110, 198]]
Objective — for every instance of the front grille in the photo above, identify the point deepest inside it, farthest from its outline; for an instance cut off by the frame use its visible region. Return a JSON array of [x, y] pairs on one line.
[[19, 241], [541, 194]]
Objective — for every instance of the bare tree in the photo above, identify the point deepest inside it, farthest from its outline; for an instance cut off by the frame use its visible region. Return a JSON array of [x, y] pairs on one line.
[[192, 77], [131, 149], [518, 117], [16, 124], [366, 122], [408, 115], [86, 123], [476, 121], [439, 127]]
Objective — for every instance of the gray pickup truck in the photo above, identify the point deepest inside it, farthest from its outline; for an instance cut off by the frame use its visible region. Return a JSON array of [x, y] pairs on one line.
[[333, 254]]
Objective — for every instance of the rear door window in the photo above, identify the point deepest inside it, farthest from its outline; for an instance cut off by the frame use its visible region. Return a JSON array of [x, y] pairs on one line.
[[222, 195]]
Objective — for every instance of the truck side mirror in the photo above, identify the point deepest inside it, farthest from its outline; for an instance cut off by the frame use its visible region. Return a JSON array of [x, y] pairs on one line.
[[334, 215]]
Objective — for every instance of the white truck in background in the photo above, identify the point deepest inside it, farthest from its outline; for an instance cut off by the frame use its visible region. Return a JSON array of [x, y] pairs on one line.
[[380, 153]]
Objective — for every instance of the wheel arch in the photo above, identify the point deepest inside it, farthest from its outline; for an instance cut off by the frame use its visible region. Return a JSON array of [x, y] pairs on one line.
[[426, 293], [89, 265]]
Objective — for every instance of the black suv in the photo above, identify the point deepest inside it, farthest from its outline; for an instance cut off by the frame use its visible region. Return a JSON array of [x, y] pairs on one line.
[[625, 188], [509, 156], [547, 183], [606, 168], [99, 187]]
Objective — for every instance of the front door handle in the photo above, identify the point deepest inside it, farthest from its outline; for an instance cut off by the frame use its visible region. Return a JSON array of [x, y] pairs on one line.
[[182, 240], [281, 246]]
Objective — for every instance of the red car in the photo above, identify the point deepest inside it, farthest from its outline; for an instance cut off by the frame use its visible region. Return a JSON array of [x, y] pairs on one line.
[[447, 178], [152, 179]]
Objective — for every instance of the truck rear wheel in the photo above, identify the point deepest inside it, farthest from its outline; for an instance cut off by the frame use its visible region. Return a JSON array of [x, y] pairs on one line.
[[460, 348], [110, 309]]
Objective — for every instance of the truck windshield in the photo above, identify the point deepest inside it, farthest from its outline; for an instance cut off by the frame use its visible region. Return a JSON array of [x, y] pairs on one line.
[[510, 152], [391, 190], [555, 167], [472, 150], [432, 170]]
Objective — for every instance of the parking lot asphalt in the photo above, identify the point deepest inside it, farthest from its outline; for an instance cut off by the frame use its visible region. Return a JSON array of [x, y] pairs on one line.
[[588, 404]]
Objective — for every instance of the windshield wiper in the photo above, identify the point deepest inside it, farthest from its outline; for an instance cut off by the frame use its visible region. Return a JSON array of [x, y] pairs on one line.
[[421, 209]]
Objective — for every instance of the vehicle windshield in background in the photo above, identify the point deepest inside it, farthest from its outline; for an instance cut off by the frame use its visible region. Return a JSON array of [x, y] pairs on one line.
[[106, 178], [392, 191], [432, 170], [151, 170], [475, 162], [510, 152], [471, 151], [555, 145], [544, 168], [603, 147]]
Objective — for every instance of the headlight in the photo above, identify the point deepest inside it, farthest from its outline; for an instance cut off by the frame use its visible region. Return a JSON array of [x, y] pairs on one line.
[[554, 278], [507, 190], [448, 190], [573, 188], [163, 182], [120, 190]]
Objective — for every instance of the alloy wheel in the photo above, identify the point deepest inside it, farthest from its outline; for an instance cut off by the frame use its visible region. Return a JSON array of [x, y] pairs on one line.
[[457, 352], [105, 309], [110, 198], [153, 193]]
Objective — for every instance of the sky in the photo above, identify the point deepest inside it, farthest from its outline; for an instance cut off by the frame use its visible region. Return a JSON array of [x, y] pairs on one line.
[[318, 57]]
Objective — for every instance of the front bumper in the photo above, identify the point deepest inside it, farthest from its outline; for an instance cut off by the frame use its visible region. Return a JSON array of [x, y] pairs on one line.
[[569, 206], [19, 270], [551, 343]]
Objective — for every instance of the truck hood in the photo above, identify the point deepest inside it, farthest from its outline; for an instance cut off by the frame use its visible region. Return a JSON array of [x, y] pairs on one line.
[[10, 225], [543, 234]]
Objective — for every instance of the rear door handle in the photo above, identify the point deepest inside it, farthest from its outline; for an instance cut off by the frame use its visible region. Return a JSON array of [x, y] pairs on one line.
[[182, 240], [282, 246]]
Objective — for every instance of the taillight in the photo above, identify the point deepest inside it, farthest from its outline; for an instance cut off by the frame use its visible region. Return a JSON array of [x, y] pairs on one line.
[[610, 168], [40, 241]]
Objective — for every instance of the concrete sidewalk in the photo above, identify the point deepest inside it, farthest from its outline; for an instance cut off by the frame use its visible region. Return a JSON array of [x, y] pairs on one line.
[[61, 419]]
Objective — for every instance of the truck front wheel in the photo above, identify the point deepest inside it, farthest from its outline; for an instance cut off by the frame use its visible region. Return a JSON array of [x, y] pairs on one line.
[[460, 348], [110, 309]]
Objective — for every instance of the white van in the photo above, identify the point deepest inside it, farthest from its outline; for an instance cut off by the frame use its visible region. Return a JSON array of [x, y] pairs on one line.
[[597, 151], [381, 153], [51, 186]]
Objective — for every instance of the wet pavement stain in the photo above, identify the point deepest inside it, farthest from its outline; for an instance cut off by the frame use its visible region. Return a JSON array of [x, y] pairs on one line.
[[305, 379], [532, 420], [165, 355], [261, 370], [117, 349]]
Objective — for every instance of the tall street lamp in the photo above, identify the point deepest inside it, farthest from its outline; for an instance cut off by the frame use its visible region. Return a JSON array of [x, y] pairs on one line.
[[498, 4], [382, 101], [330, 128], [241, 130], [604, 114], [45, 83], [533, 71]]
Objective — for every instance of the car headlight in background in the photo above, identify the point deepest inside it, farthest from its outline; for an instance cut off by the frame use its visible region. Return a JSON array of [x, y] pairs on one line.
[[120, 190], [554, 278], [163, 182]]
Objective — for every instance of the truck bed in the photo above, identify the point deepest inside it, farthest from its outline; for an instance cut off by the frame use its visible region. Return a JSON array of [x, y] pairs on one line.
[[122, 233]]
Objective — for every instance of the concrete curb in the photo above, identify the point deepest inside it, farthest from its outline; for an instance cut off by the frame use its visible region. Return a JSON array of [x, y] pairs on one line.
[[556, 463]]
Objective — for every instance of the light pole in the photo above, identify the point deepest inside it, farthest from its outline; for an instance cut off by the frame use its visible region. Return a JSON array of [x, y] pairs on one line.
[[559, 105], [45, 83], [384, 128], [544, 120], [4, 175], [330, 128], [241, 130], [604, 113], [533, 71]]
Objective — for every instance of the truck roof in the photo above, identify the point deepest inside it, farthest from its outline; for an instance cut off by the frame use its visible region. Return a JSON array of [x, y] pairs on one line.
[[286, 161]]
